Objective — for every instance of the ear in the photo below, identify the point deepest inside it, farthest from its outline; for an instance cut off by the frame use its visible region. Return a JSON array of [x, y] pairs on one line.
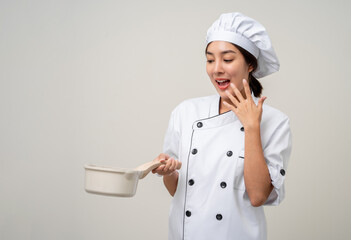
[[250, 68]]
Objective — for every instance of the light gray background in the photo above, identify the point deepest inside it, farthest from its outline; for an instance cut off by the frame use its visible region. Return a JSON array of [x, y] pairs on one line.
[[95, 82]]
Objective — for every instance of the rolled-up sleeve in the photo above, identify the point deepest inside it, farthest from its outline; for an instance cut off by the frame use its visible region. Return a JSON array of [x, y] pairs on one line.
[[277, 154]]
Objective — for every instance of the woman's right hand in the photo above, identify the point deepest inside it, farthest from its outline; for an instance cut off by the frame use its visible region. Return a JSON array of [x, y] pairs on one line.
[[169, 166]]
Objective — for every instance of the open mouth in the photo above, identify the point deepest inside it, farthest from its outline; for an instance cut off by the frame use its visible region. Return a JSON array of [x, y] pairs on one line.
[[223, 84]]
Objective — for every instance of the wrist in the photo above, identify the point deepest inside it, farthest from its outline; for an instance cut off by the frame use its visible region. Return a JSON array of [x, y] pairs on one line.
[[172, 174], [254, 127]]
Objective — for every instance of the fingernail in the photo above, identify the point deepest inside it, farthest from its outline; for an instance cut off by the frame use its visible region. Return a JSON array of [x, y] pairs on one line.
[[244, 80]]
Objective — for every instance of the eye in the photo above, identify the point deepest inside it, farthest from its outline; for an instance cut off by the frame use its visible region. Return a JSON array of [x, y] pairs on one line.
[[210, 61], [228, 60]]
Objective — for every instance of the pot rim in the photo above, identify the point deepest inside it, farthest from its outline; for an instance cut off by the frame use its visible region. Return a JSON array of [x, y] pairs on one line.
[[109, 169]]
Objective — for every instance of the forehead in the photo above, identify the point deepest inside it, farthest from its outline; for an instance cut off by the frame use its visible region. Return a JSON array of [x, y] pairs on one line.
[[221, 46]]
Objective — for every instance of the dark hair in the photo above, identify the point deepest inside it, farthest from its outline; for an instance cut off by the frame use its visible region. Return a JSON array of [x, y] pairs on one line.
[[250, 59]]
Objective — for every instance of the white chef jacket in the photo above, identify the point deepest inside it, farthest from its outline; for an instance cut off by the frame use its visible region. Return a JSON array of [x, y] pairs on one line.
[[211, 202]]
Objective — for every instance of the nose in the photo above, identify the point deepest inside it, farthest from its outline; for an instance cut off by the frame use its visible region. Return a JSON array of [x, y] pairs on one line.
[[218, 67]]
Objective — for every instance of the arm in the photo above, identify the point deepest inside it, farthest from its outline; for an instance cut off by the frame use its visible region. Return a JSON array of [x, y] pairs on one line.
[[257, 179], [171, 182], [169, 172]]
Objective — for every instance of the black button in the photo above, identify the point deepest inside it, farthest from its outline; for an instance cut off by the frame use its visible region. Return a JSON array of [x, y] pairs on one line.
[[199, 124], [219, 217], [229, 153], [282, 172], [242, 129], [194, 151], [191, 182], [223, 184], [188, 213]]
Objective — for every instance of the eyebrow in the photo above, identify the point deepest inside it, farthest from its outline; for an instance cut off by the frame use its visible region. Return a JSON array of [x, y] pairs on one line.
[[224, 52]]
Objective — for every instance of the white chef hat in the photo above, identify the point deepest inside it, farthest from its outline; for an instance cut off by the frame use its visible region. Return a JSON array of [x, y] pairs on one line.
[[248, 34]]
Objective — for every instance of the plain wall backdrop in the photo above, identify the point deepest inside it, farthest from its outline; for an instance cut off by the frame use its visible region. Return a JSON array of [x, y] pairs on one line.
[[94, 82]]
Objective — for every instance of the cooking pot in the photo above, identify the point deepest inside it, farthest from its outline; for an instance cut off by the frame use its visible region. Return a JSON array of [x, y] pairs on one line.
[[120, 182]]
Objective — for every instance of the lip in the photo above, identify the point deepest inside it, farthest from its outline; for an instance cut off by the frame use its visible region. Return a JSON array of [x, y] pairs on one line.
[[222, 87], [220, 79]]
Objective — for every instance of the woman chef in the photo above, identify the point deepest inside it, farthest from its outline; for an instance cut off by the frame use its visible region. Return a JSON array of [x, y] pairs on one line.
[[233, 148]]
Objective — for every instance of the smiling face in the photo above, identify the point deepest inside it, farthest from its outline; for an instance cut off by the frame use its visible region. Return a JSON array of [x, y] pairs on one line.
[[225, 65]]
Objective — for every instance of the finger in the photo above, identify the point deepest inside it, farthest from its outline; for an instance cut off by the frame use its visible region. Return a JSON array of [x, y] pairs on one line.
[[164, 156], [230, 106], [233, 99], [260, 102], [161, 168], [158, 169], [247, 90], [171, 167], [237, 92], [174, 165], [168, 164], [179, 165], [160, 157]]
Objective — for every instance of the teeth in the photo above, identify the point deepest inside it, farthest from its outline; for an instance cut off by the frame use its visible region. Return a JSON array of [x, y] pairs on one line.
[[221, 81]]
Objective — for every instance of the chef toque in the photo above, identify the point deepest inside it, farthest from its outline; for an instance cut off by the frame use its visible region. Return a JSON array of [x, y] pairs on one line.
[[248, 34]]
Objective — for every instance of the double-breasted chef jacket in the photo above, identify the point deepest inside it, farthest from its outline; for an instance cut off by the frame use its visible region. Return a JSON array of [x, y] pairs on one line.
[[211, 202]]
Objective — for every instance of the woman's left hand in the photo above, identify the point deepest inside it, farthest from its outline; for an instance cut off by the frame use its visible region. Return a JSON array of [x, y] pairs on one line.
[[248, 113]]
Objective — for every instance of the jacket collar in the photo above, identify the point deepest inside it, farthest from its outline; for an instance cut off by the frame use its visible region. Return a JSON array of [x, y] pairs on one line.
[[215, 119], [214, 106]]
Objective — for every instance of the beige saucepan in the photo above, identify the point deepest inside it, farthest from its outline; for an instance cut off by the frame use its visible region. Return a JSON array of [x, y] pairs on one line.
[[117, 182]]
